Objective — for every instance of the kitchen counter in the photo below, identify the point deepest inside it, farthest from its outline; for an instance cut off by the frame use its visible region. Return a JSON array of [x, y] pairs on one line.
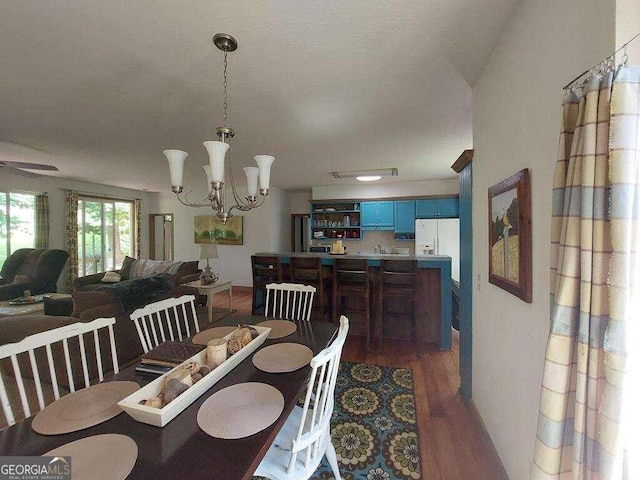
[[435, 280]]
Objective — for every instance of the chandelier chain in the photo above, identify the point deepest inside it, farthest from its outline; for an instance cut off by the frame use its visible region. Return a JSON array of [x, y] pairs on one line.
[[224, 83]]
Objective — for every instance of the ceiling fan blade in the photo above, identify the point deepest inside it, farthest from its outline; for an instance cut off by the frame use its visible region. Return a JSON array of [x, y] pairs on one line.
[[17, 171], [29, 166]]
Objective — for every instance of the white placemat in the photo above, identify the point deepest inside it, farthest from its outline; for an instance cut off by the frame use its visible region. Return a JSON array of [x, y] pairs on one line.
[[282, 357], [279, 328], [83, 408], [107, 457], [240, 410], [216, 332]]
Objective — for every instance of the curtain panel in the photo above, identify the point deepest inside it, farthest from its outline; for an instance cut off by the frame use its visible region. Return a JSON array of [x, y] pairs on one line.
[[71, 236], [138, 208], [41, 226]]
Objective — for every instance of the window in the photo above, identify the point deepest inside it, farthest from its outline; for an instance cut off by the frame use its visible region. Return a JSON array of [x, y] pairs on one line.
[[17, 218], [106, 233]]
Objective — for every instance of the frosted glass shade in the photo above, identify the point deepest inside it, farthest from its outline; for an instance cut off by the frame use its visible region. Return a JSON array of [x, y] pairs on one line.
[[264, 164], [217, 151], [208, 250], [176, 160], [207, 170], [252, 179]]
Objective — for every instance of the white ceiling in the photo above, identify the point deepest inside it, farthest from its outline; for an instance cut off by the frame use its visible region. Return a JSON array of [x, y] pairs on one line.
[[100, 88]]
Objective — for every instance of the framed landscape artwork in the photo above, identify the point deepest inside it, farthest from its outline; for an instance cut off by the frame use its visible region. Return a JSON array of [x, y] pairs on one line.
[[510, 235], [209, 229]]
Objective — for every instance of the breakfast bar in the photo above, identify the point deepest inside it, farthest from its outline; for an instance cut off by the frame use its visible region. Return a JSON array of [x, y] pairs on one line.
[[434, 308]]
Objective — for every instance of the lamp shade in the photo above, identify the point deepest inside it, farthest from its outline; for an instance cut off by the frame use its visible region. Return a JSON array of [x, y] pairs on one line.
[[176, 160], [208, 250], [264, 164], [252, 179], [207, 170], [217, 151]]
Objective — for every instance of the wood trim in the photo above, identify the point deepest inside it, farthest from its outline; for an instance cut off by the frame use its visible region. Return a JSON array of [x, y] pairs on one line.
[[493, 453], [360, 200], [463, 160]]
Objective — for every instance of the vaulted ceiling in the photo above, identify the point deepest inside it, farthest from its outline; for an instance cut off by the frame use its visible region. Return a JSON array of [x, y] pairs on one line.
[[100, 88]]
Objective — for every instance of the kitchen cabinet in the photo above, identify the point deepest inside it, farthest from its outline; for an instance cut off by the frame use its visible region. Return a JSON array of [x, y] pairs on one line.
[[437, 208], [328, 220], [377, 215], [404, 216]]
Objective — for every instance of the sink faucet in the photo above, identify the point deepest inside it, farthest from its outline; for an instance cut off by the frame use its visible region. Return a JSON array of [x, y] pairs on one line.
[[377, 248]]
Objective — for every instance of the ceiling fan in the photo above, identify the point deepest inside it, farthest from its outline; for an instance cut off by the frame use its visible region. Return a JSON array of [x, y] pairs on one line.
[[22, 168]]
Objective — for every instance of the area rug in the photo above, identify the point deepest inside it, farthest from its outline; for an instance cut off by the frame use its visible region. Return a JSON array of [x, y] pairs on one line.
[[374, 427]]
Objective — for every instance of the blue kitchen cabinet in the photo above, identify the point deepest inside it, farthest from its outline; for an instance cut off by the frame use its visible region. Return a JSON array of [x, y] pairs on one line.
[[376, 215], [405, 216], [437, 208]]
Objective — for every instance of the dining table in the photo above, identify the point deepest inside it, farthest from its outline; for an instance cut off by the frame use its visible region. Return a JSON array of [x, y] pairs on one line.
[[181, 449]]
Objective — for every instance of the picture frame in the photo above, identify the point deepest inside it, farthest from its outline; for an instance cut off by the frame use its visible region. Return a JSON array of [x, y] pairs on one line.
[[210, 229], [510, 235]]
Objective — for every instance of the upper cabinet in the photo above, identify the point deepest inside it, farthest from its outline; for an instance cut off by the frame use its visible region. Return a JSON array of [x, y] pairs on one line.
[[437, 208], [405, 216], [377, 215], [330, 220]]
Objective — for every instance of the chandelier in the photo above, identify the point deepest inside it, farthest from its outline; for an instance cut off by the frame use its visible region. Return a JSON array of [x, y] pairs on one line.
[[215, 171]]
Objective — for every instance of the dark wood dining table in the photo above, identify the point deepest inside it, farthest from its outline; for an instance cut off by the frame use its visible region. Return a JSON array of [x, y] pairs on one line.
[[181, 449]]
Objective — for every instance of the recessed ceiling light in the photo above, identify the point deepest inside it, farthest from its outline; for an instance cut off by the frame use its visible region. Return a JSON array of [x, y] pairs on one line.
[[368, 178]]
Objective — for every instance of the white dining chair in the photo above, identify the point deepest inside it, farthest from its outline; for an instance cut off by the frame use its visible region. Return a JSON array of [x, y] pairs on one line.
[[28, 356], [164, 320], [305, 437], [289, 301]]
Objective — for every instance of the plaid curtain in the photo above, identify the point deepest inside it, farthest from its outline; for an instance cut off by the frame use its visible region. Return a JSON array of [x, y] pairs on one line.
[[42, 221], [71, 236], [595, 278], [138, 207]]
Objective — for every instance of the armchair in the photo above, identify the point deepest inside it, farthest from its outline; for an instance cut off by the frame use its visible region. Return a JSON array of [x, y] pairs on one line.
[[30, 269]]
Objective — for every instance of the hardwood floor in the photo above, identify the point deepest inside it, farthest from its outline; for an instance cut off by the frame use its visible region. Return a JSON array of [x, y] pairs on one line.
[[453, 443]]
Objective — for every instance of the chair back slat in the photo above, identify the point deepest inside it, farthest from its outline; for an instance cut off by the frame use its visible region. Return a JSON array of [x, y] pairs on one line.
[[289, 301], [37, 350], [314, 429], [169, 319]]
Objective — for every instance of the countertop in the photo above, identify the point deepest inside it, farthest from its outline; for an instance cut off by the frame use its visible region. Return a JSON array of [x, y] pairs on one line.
[[371, 256]]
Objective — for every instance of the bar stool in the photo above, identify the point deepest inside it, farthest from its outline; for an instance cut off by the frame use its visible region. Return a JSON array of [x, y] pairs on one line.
[[308, 271], [351, 279], [265, 269], [397, 281]]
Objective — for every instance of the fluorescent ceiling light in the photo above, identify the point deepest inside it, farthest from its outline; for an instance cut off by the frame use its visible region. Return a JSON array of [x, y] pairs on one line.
[[368, 178], [380, 172]]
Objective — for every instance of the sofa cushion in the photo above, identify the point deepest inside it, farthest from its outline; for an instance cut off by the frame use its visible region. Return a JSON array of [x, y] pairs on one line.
[[126, 267], [146, 268], [84, 300], [21, 279], [111, 277]]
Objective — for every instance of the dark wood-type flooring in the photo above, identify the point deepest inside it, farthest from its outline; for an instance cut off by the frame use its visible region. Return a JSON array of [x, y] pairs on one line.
[[453, 443]]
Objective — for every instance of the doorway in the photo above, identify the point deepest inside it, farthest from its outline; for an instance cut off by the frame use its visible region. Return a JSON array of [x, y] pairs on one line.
[[300, 232], [161, 236]]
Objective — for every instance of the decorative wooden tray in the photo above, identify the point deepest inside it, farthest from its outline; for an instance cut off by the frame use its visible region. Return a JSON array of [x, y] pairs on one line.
[[161, 416]]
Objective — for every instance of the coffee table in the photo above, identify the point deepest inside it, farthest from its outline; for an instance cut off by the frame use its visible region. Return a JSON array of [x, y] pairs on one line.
[[210, 290], [7, 310]]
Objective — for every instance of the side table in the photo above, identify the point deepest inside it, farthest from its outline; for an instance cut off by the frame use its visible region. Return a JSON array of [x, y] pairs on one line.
[[218, 286]]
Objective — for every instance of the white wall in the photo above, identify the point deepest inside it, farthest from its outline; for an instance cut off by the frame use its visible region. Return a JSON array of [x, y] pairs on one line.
[[388, 190], [517, 106], [54, 187], [299, 201]]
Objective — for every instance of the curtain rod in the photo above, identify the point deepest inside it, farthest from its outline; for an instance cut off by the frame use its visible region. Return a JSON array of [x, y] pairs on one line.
[[600, 63]]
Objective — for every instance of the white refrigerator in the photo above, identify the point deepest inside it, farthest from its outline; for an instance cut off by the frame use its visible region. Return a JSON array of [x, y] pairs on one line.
[[440, 236]]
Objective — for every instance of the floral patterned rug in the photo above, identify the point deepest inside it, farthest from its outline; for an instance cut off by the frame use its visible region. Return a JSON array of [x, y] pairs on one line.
[[374, 425]]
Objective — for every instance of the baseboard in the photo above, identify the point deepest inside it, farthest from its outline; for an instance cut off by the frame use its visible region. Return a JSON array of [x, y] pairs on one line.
[[240, 289], [476, 416]]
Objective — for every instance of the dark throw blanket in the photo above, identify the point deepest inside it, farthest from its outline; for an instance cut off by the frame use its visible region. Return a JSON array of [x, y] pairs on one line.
[[138, 292]]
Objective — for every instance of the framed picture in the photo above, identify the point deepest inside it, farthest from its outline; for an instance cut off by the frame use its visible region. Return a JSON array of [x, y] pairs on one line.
[[510, 235], [209, 229]]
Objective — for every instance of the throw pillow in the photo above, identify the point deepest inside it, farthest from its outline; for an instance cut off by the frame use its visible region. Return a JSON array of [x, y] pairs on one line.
[[85, 300], [126, 267], [111, 277], [21, 279]]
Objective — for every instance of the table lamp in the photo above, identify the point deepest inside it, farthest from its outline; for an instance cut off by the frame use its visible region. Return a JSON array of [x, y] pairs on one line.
[[208, 251]]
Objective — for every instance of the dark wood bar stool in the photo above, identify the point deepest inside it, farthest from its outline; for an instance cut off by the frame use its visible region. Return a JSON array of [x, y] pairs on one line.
[[397, 282], [308, 271], [352, 281], [265, 269]]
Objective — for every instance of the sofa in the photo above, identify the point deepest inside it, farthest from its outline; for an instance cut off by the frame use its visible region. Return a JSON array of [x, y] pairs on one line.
[[36, 270]]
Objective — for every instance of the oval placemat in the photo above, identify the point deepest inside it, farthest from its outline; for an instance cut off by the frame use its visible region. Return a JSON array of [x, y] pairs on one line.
[[240, 410], [279, 328], [83, 408], [282, 357], [216, 332], [108, 457]]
